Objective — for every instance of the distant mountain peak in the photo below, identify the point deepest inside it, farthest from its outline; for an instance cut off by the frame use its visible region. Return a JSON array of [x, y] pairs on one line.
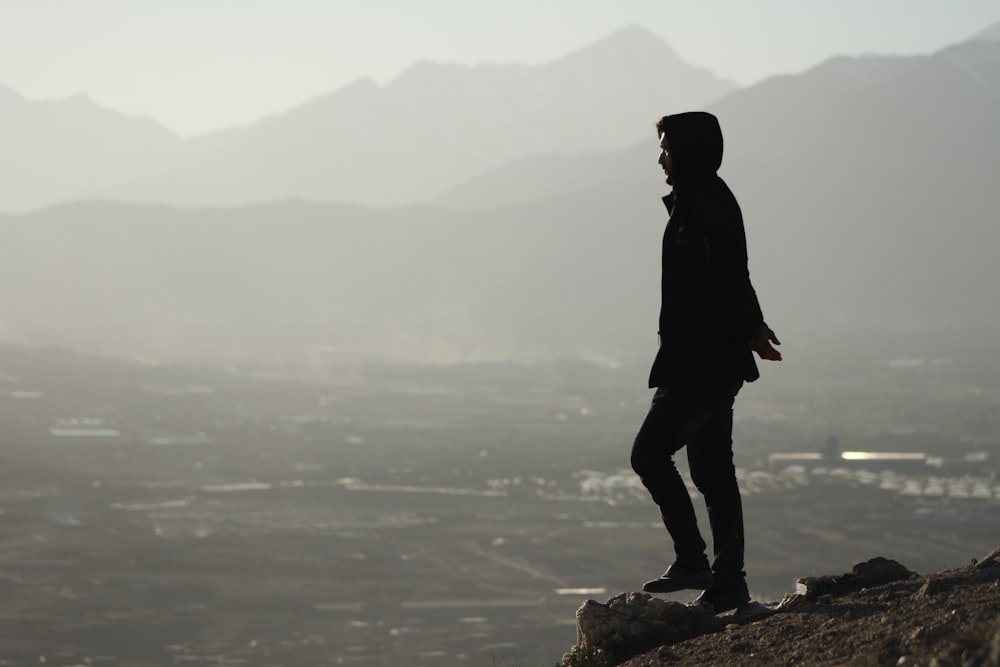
[[362, 87], [84, 100], [425, 71], [9, 94], [991, 33], [635, 41], [631, 34]]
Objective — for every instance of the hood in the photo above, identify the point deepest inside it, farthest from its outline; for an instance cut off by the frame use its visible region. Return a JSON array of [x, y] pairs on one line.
[[695, 142]]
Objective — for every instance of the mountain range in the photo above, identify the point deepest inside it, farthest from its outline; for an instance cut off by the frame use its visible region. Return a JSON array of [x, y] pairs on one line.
[[431, 128], [866, 185]]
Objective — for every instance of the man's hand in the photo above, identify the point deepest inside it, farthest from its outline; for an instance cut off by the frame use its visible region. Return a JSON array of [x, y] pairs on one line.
[[761, 344]]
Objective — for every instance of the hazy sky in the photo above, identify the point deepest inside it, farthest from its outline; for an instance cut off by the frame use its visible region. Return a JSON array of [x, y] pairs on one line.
[[198, 65]]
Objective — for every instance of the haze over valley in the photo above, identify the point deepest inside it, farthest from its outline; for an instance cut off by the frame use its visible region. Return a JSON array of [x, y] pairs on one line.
[[851, 191]]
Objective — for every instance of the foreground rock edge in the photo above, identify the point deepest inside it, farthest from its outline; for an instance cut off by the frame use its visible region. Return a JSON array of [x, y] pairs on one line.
[[632, 623]]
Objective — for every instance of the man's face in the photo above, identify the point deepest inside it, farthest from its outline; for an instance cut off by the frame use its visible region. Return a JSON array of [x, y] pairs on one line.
[[666, 161]]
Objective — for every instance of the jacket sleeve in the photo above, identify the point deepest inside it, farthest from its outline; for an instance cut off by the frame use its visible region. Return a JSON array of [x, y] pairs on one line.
[[726, 254]]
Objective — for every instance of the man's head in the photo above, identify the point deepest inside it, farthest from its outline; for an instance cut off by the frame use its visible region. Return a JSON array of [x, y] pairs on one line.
[[690, 146], [666, 160]]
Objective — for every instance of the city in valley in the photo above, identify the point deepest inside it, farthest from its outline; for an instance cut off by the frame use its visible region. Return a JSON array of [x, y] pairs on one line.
[[158, 514]]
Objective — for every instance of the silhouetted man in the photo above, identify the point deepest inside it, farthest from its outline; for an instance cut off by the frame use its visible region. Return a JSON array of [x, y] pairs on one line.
[[710, 321]]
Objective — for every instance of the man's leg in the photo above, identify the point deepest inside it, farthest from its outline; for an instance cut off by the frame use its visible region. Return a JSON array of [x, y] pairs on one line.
[[710, 456], [673, 419]]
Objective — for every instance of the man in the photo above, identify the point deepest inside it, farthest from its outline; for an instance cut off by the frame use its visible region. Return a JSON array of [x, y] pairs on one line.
[[710, 322]]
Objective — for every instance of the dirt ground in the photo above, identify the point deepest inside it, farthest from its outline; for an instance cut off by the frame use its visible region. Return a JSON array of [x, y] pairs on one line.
[[942, 619]]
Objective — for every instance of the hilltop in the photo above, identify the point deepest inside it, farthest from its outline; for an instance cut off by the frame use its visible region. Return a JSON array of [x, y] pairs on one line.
[[880, 613]]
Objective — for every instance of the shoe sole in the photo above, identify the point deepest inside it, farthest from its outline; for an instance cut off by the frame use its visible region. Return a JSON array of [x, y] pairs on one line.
[[722, 608], [699, 582], [725, 610]]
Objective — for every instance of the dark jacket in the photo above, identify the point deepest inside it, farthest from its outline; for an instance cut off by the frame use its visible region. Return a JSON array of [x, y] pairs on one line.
[[708, 310]]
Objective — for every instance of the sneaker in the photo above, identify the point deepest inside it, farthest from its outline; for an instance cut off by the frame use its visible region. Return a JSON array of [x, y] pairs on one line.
[[725, 597], [679, 577]]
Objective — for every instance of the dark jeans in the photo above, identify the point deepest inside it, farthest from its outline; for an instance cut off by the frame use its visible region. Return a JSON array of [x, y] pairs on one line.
[[699, 415]]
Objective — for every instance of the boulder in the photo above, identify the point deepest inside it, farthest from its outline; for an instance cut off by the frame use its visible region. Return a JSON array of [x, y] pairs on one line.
[[629, 623], [874, 572]]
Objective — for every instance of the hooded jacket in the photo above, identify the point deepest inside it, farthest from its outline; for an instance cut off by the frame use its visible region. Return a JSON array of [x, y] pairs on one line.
[[709, 310]]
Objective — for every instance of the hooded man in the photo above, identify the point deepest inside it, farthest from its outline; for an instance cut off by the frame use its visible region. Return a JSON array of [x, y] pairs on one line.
[[710, 324]]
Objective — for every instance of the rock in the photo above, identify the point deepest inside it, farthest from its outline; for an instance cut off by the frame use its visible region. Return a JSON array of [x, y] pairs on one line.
[[750, 612], [629, 622], [991, 560], [931, 587], [793, 601], [874, 572]]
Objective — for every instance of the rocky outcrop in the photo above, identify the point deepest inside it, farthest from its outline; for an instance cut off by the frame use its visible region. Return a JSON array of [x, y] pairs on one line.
[[631, 622], [878, 613], [874, 572]]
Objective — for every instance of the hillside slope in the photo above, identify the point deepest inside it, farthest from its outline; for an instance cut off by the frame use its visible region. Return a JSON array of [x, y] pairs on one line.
[[944, 618]]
